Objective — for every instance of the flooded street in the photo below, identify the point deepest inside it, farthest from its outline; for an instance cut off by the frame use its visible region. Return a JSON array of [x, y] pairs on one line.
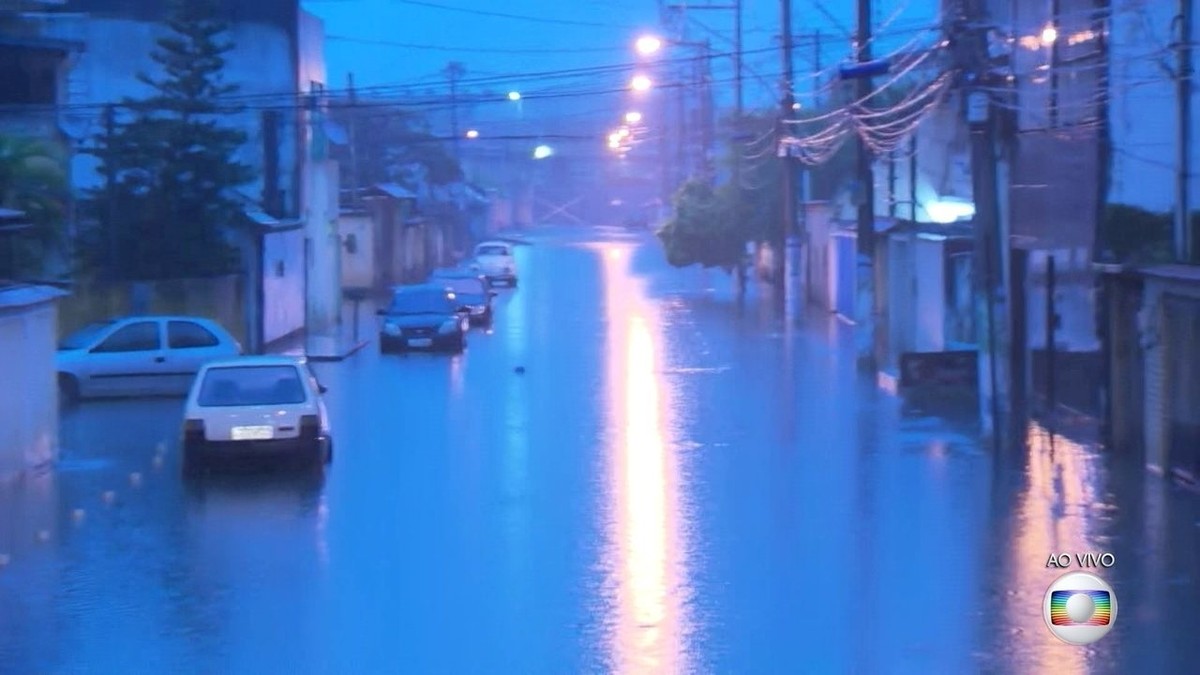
[[629, 473]]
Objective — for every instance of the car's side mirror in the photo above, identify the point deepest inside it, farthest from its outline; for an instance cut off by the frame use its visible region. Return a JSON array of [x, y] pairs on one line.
[[493, 294], [322, 388], [381, 312]]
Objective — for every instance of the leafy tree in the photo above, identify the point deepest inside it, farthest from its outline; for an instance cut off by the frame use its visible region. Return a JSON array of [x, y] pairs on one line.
[[392, 144], [712, 224], [167, 212], [1134, 235], [33, 180]]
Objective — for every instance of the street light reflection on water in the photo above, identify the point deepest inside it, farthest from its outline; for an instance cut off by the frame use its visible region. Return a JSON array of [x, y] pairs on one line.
[[645, 549]]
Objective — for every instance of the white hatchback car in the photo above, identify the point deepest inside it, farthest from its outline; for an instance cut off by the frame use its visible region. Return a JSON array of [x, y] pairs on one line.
[[140, 356], [256, 406], [494, 260]]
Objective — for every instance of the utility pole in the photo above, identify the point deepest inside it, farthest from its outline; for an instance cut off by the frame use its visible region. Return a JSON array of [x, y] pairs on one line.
[[865, 296], [353, 124], [791, 257], [1185, 239], [454, 72], [110, 186], [992, 325]]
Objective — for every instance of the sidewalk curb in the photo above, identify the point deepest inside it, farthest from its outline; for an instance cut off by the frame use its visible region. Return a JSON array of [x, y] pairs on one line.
[[356, 348]]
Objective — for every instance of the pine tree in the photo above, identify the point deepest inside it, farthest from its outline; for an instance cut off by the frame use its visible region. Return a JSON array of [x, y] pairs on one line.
[[174, 161]]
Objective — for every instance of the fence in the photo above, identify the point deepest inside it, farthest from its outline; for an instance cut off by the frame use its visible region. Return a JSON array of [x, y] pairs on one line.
[[218, 298]]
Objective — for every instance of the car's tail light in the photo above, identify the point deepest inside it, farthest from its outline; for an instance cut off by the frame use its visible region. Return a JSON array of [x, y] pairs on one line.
[[193, 430], [310, 426]]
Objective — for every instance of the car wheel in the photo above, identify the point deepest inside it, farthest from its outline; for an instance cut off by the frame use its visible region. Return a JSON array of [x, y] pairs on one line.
[[193, 463], [328, 452], [512, 283], [68, 389]]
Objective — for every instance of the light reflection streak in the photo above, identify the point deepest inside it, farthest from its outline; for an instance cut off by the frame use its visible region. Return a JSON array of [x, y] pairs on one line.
[[645, 534], [1051, 517]]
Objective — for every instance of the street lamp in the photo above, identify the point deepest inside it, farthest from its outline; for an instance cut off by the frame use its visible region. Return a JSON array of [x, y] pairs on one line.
[[633, 117], [472, 133], [640, 83], [648, 44], [514, 96], [542, 152]]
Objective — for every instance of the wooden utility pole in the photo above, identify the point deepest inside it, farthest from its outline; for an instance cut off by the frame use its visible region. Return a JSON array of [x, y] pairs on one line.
[[454, 72], [352, 122], [110, 186], [992, 324], [865, 309], [1185, 244], [786, 111]]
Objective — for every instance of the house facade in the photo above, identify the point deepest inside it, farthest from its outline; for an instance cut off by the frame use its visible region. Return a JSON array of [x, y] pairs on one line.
[[74, 58]]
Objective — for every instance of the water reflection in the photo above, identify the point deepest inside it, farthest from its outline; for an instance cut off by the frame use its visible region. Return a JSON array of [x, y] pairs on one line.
[[646, 533], [1054, 512]]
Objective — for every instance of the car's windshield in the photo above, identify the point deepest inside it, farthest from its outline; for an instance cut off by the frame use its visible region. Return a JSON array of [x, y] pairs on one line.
[[84, 337], [469, 285], [420, 302], [251, 385], [492, 250]]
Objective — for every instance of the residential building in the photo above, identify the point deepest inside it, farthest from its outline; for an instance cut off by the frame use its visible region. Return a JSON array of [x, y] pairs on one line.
[[89, 54], [1152, 281]]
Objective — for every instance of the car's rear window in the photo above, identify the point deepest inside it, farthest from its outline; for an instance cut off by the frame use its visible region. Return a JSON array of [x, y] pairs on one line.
[[420, 302], [492, 250], [464, 285], [85, 336], [251, 385]]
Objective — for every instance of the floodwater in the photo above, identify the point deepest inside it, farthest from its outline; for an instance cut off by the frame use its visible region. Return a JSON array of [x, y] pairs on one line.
[[672, 484]]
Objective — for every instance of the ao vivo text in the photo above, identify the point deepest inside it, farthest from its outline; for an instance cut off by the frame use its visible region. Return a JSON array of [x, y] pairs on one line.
[[1064, 560]]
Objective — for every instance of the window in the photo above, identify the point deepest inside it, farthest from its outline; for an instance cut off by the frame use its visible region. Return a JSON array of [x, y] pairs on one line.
[[189, 335], [136, 337], [85, 337], [251, 385], [492, 250]]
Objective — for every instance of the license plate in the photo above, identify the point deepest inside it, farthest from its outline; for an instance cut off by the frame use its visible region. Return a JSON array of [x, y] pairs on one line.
[[420, 342], [256, 433]]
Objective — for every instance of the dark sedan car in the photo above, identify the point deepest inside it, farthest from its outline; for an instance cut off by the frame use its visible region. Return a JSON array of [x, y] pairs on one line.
[[423, 317], [472, 291]]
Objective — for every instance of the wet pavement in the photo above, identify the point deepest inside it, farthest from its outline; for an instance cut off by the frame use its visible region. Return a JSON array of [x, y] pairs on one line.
[[673, 483]]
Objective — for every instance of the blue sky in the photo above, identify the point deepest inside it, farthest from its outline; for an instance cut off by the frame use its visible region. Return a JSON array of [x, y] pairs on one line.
[[389, 44]]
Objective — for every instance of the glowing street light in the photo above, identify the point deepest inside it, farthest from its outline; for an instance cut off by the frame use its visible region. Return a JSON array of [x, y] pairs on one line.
[[542, 152], [1049, 35], [514, 96], [614, 143], [633, 117], [647, 45], [472, 133], [640, 83], [623, 132]]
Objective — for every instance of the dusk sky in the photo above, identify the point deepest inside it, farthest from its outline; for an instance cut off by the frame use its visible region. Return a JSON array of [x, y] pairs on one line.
[[389, 44]]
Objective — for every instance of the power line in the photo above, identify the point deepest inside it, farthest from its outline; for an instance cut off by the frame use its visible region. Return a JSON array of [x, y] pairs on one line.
[[505, 15], [470, 50]]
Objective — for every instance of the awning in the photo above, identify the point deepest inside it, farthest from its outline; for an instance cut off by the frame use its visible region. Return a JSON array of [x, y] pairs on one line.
[[393, 190]]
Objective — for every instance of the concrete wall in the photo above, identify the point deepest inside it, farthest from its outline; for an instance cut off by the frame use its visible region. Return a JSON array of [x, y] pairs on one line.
[[283, 284], [817, 220], [220, 299], [358, 265], [1169, 338], [29, 399], [929, 261]]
